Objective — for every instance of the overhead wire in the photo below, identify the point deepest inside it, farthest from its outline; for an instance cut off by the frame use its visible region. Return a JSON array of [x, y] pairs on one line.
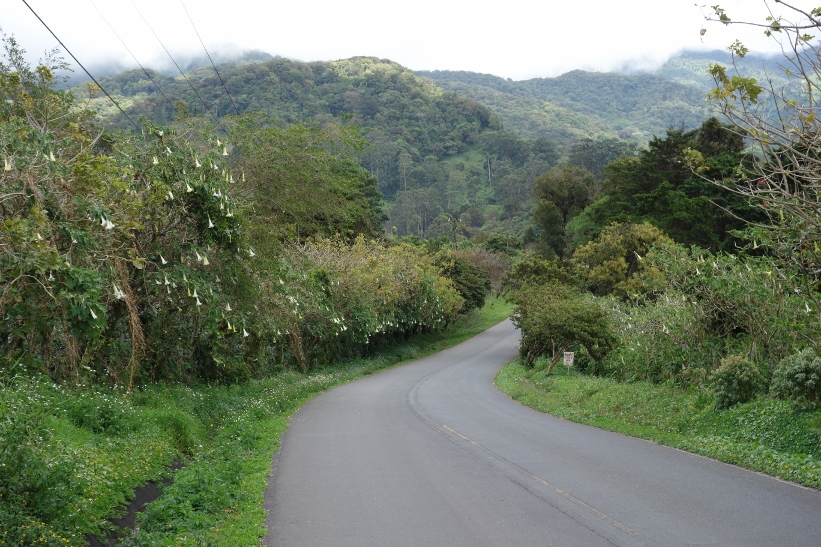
[[173, 61], [210, 59], [132, 54], [137, 127]]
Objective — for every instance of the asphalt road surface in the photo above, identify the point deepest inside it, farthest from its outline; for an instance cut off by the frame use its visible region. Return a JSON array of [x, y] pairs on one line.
[[431, 454]]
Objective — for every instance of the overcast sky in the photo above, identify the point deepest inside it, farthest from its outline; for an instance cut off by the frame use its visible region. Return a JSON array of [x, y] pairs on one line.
[[516, 39]]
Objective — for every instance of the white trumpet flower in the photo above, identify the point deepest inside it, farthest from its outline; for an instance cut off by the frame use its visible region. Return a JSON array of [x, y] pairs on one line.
[[245, 333], [205, 260], [164, 261], [170, 195], [108, 225], [118, 293], [199, 258], [167, 150], [188, 188], [251, 252], [50, 276], [228, 307], [6, 164], [210, 224], [51, 157], [93, 315], [197, 163], [155, 161], [198, 302]]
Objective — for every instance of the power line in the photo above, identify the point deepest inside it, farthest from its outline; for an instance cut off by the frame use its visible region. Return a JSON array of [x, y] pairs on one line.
[[210, 59], [132, 55], [173, 61], [137, 127]]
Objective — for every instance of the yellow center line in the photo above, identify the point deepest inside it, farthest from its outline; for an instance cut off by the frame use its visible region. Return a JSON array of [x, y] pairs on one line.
[[557, 490]]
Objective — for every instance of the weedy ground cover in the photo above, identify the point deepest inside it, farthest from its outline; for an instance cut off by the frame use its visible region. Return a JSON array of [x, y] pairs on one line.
[[70, 457], [764, 435]]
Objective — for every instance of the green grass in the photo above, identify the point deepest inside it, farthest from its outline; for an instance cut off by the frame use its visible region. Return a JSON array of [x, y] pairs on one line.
[[764, 435], [90, 448]]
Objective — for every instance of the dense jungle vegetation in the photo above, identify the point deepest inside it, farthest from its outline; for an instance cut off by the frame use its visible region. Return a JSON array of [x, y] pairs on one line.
[[174, 290]]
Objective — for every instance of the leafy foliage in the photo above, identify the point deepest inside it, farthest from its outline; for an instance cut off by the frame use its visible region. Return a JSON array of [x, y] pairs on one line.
[[554, 318], [472, 283], [658, 187], [614, 263], [560, 194], [797, 378], [736, 381]]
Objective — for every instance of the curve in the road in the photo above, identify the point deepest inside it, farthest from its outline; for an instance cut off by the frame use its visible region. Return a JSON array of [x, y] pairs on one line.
[[431, 453]]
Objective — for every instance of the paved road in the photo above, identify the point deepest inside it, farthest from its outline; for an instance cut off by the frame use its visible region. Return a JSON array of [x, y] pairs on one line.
[[431, 454]]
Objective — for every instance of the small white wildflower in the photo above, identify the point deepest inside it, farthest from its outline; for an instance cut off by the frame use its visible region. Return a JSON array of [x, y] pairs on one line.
[[245, 333], [228, 307], [251, 252], [108, 225], [118, 293], [164, 261], [210, 224], [188, 188], [155, 161]]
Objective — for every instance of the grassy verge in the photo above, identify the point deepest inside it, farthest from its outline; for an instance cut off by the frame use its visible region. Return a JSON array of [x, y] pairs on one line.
[[764, 435], [70, 457]]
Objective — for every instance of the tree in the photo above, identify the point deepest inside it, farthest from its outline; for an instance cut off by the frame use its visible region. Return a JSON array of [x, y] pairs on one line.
[[657, 187], [613, 263], [472, 283], [595, 155], [554, 318], [561, 193], [783, 177]]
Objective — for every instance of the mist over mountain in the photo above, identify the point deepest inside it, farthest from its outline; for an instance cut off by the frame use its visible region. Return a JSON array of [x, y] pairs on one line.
[[186, 62]]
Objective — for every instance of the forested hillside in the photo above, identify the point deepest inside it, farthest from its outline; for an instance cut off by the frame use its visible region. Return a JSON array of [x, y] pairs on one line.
[[691, 68], [453, 153], [582, 104], [433, 154]]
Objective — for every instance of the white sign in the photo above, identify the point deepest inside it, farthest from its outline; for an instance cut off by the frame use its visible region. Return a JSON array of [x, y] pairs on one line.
[[568, 358]]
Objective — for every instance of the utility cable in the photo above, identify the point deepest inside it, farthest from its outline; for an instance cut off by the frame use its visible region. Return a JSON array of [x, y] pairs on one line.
[[132, 55], [137, 127], [210, 59], [173, 61]]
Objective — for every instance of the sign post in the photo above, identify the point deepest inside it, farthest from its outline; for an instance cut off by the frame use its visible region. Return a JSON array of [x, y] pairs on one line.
[[568, 360]]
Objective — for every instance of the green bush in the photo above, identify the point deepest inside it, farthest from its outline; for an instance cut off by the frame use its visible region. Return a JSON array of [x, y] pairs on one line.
[[798, 379], [736, 381]]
